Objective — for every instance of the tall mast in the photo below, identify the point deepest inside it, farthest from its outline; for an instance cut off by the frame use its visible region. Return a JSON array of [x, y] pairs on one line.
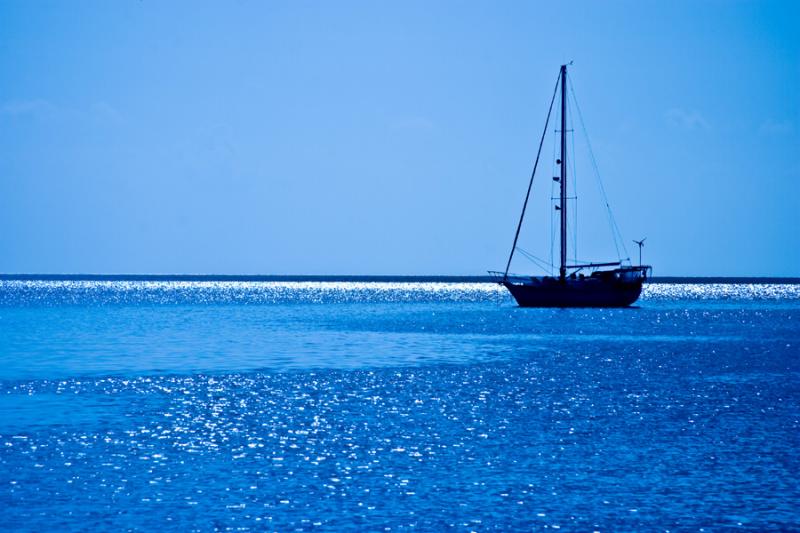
[[562, 271]]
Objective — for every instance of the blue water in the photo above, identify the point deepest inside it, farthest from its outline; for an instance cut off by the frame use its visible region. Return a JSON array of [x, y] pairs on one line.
[[395, 406]]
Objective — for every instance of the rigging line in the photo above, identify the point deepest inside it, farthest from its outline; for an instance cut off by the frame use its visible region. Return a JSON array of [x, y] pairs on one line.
[[541, 264], [530, 184], [533, 257], [574, 185], [615, 232], [609, 214]]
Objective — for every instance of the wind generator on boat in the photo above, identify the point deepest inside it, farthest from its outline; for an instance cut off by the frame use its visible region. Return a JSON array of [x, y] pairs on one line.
[[603, 284]]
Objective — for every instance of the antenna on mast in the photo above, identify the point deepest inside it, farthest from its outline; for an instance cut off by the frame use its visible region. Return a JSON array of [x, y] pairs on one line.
[[641, 244]]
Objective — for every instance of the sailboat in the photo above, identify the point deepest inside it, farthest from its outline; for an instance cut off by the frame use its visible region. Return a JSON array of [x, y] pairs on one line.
[[588, 284]]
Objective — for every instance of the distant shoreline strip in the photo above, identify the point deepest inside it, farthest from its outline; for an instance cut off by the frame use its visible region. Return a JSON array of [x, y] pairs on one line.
[[367, 279]]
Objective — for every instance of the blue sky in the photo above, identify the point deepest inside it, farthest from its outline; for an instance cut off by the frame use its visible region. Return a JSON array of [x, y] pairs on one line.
[[391, 138]]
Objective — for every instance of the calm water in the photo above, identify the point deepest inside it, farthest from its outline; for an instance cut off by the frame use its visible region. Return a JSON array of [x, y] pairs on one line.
[[395, 406]]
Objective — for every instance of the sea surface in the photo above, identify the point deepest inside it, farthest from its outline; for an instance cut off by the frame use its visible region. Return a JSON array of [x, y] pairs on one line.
[[395, 406]]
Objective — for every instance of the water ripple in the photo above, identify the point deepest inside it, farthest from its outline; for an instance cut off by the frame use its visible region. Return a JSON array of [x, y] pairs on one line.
[[501, 447], [394, 406], [85, 292]]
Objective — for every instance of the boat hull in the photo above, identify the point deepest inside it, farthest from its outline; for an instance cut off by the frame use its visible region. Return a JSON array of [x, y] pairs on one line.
[[576, 293]]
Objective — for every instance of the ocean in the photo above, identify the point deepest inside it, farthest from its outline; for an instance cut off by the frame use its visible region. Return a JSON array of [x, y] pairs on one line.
[[197, 405]]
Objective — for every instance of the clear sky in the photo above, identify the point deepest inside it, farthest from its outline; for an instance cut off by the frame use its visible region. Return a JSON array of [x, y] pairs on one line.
[[391, 137]]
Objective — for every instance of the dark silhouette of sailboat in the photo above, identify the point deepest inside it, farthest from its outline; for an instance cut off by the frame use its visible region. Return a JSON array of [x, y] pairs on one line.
[[611, 284]]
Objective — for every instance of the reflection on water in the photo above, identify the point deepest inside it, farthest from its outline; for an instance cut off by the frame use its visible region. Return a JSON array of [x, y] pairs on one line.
[[28, 292], [286, 406]]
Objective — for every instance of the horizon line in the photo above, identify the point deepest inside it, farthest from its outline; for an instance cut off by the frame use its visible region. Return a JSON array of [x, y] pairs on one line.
[[362, 278]]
